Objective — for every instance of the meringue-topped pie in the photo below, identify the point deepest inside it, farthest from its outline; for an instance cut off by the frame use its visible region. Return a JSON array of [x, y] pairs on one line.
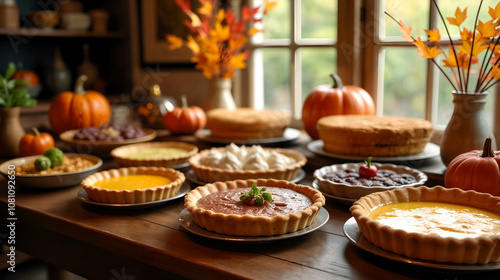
[[133, 184], [436, 224], [262, 207], [234, 162]]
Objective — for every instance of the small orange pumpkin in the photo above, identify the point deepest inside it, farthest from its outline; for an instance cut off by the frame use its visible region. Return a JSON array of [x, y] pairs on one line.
[[35, 143], [185, 120], [475, 170], [326, 100], [28, 76], [79, 109]]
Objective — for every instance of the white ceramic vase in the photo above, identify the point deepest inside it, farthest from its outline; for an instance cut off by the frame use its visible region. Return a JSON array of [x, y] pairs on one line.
[[220, 95], [468, 128]]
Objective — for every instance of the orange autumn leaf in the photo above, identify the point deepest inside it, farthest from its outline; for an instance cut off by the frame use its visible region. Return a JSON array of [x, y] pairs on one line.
[[425, 50], [269, 6], [487, 29], [459, 18], [238, 61], [248, 13], [206, 9], [175, 42], [434, 35], [473, 49], [494, 13], [406, 31]]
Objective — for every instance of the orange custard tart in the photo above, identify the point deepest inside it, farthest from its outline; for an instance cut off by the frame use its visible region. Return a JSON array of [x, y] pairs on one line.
[[228, 208], [133, 184], [435, 224]]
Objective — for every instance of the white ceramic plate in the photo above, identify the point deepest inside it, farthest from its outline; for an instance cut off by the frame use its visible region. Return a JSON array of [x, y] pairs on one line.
[[187, 223], [289, 135], [343, 200], [191, 177], [54, 180], [431, 150], [353, 233], [84, 197]]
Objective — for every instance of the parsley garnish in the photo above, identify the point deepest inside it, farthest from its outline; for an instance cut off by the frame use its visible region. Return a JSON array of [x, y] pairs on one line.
[[258, 195]]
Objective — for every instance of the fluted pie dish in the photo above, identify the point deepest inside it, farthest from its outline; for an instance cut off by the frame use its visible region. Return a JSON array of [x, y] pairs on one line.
[[242, 163], [133, 184], [434, 224], [164, 154], [217, 207]]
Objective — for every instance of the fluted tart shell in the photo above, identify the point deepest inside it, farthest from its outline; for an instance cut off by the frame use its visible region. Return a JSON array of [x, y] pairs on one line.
[[104, 195], [253, 225]]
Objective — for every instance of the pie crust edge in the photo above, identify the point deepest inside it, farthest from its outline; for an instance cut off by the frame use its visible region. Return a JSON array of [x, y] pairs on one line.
[[211, 174], [133, 196], [480, 250], [249, 225]]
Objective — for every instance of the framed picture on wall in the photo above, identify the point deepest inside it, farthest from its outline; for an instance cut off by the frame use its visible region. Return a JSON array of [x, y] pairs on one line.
[[159, 18]]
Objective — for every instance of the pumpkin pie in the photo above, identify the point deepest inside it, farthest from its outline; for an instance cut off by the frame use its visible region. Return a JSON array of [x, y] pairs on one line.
[[165, 154], [218, 207], [133, 184], [241, 162], [436, 224], [247, 123], [374, 135]]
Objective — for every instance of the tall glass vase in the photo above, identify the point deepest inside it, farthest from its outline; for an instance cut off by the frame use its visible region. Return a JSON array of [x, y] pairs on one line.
[[467, 128], [220, 95], [11, 131]]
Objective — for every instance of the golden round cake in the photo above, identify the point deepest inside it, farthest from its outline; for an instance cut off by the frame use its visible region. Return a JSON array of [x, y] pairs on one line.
[[247, 123], [374, 135], [220, 207], [436, 224]]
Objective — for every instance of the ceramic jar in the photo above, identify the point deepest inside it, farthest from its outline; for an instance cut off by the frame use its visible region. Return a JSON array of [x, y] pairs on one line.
[[467, 128], [11, 131], [220, 95]]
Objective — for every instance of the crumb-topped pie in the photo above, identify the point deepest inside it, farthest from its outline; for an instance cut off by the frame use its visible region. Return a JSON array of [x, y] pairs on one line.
[[226, 208], [436, 224], [133, 184], [165, 154], [240, 162]]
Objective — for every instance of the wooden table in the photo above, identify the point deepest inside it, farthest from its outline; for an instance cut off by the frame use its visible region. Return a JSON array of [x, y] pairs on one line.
[[99, 243]]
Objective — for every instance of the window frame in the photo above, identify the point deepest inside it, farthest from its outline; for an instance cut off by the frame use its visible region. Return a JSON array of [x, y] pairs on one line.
[[359, 60]]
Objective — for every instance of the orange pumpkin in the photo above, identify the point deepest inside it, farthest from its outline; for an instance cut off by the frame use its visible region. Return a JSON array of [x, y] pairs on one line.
[[475, 170], [79, 109], [35, 143], [185, 120], [326, 100], [28, 76]]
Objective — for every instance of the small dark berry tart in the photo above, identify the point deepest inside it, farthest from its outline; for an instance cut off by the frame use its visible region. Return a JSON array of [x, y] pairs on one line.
[[344, 180]]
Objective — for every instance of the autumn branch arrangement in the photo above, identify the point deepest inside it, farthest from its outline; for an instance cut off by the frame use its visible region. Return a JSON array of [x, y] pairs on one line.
[[463, 56]]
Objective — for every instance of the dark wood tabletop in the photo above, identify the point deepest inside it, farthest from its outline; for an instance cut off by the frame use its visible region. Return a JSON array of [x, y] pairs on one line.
[[54, 226]]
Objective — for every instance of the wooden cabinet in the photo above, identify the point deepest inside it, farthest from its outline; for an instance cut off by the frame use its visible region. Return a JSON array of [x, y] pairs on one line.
[[35, 47]]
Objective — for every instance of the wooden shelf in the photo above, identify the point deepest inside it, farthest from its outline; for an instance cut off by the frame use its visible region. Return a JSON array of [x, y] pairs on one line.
[[60, 33]]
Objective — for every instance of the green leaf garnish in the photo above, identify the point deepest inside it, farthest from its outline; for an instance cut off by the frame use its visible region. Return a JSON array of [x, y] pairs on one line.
[[258, 195]]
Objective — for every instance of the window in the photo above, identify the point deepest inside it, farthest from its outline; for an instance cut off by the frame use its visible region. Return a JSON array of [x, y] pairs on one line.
[[413, 86], [296, 52], [306, 40]]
